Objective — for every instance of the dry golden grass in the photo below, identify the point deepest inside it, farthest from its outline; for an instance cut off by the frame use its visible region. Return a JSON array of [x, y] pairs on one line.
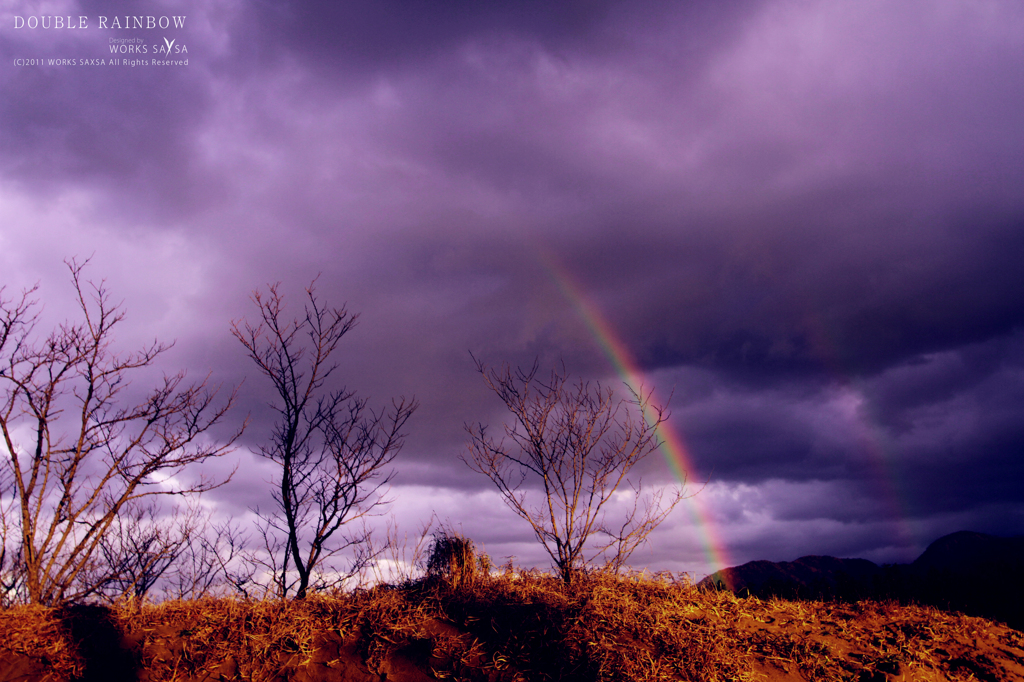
[[36, 634], [529, 627]]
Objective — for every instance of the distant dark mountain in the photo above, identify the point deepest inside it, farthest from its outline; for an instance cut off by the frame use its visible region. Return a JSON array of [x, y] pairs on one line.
[[978, 574], [965, 551], [809, 577]]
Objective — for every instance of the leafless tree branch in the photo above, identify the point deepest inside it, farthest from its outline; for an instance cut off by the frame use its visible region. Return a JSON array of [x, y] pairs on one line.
[[333, 451], [78, 448], [575, 444]]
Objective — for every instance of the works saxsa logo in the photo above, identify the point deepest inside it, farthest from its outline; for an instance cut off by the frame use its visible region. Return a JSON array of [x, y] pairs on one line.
[[138, 46], [169, 48]]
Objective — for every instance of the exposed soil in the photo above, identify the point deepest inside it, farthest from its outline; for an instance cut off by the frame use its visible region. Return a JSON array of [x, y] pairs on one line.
[[505, 629]]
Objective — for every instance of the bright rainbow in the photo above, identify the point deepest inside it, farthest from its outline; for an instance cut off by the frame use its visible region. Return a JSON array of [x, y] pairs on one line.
[[673, 448]]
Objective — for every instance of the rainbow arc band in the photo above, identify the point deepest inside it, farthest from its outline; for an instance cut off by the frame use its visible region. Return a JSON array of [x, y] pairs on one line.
[[673, 447]]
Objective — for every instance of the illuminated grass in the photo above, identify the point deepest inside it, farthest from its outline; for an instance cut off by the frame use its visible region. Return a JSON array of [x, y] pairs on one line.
[[527, 627]]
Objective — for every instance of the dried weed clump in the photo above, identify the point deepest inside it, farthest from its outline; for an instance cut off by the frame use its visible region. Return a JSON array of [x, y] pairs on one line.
[[517, 627], [454, 561]]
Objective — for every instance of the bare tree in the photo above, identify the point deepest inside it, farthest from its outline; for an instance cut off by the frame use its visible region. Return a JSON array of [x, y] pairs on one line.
[[79, 449], [179, 553], [331, 448], [143, 545], [575, 444], [11, 573], [214, 561]]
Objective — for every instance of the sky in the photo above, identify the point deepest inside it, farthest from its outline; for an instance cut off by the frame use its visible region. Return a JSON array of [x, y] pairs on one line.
[[801, 223]]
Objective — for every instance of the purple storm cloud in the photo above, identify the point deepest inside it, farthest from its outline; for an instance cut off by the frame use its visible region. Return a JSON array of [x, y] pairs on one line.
[[805, 220]]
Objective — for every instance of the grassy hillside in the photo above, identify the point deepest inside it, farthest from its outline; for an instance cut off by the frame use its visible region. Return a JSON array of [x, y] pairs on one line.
[[528, 627]]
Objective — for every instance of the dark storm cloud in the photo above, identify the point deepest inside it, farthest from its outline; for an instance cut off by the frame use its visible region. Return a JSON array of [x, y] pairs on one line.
[[880, 254], [962, 443], [843, 302], [788, 222], [805, 218], [126, 132], [367, 36]]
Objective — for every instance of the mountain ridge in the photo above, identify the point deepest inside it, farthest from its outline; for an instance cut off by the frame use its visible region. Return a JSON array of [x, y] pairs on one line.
[[967, 571]]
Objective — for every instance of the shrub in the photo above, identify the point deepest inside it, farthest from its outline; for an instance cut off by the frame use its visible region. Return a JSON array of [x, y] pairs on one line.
[[453, 560]]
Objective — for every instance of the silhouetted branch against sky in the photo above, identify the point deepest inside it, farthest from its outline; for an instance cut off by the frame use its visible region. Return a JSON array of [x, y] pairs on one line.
[[82, 454], [331, 452], [578, 444]]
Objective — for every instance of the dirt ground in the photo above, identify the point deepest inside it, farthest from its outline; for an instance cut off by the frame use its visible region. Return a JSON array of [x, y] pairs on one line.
[[537, 629]]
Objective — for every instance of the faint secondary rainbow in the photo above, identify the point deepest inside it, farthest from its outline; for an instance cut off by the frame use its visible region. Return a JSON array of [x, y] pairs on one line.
[[869, 434], [673, 448]]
